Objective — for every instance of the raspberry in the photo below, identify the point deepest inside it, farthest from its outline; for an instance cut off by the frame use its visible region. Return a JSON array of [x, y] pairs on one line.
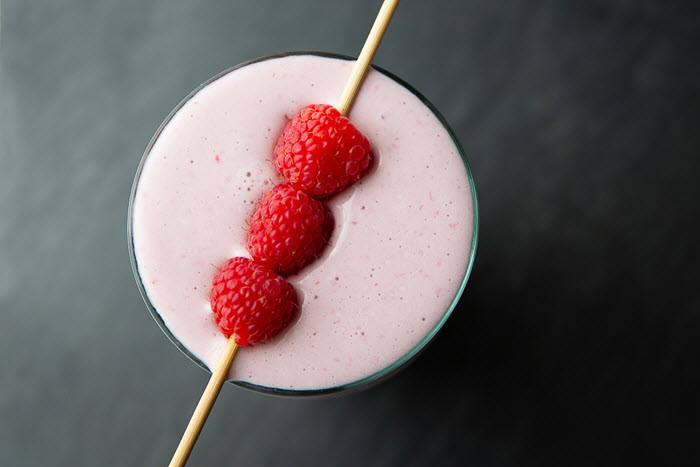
[[251, 302], [288, 230], [321, 152]]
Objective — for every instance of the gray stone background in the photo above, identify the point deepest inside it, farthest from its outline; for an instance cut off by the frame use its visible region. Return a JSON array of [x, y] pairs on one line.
[[577, 340]]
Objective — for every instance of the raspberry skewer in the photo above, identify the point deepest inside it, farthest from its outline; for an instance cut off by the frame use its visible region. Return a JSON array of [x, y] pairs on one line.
[[251, 303]]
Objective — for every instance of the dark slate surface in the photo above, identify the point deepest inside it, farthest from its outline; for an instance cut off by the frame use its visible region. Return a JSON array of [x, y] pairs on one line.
[[577, 340]]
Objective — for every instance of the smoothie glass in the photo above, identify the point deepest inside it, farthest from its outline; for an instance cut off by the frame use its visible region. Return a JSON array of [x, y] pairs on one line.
[[378, 375]]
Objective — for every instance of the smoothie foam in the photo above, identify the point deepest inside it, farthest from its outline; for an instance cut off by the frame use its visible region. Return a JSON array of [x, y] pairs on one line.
[[397, 257]]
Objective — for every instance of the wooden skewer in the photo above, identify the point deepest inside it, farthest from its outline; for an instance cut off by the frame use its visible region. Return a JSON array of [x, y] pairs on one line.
[[218, 377], [363, 62], [201, 412]]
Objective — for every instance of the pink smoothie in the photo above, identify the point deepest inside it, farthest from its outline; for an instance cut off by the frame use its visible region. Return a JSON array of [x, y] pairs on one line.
[[397, 257]]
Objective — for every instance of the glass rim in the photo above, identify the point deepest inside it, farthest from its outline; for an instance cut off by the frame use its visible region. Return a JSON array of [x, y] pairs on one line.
[[361, 383]]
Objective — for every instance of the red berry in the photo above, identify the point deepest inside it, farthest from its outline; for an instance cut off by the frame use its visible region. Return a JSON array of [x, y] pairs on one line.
[[251, 302], [321, 152], [288, 230]]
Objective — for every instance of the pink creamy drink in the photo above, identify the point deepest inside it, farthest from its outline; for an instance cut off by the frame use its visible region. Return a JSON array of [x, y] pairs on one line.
[[397, 259]]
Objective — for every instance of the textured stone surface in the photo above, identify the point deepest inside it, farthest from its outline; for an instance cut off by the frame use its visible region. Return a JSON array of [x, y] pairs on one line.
[[577, 340]]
